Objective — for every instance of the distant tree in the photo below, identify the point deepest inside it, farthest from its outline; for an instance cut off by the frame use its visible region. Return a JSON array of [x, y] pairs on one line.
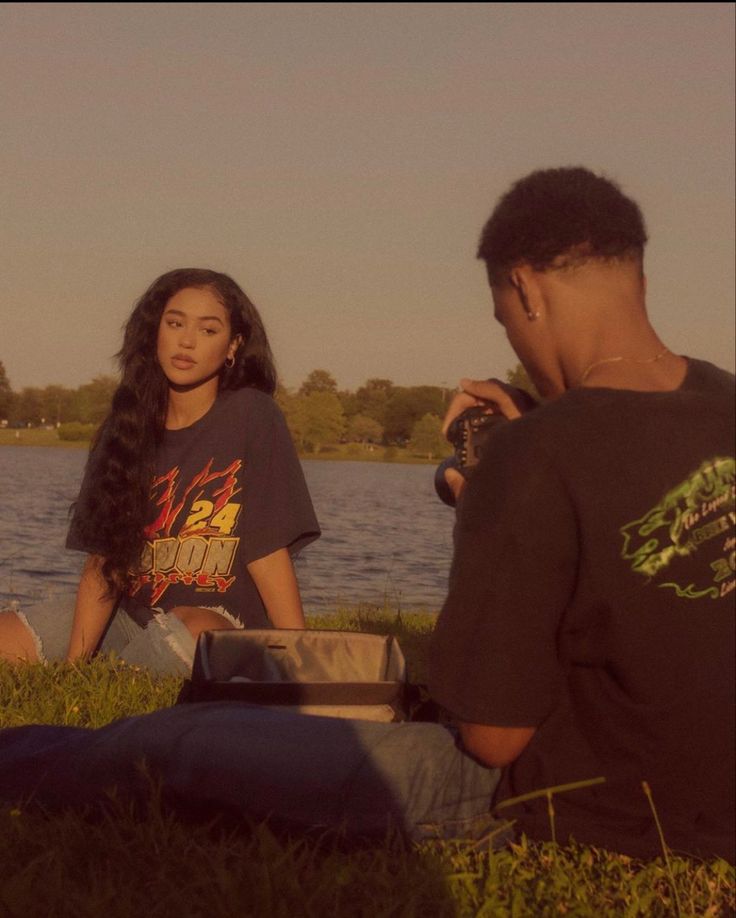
[[427, 437], [349, 402], [318, 381], [363, 429], [92, 401], [324, 422], [520, 378], [405, 406], [27, 407], [295, 413], [6, 394], [372, 398], [57, 404]]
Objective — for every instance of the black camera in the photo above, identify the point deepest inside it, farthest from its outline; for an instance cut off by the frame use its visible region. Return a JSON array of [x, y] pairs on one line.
[[468, 434]]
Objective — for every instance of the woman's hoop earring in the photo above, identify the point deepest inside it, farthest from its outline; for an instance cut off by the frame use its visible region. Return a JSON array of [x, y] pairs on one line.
[[229, 362]]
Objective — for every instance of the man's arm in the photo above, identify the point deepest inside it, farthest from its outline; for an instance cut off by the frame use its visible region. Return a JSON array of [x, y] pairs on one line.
[[494, 660], [495, 746]]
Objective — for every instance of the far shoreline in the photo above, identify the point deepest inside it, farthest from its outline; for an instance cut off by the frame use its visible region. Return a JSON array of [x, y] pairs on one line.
[[341, 452]]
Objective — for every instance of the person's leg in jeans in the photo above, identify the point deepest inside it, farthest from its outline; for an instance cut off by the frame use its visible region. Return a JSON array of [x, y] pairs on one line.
[[306, 772], [302, 770], [47, 626], [165, 645]]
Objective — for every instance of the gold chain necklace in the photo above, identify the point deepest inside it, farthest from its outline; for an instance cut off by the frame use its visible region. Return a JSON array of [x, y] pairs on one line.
[[600, 363]]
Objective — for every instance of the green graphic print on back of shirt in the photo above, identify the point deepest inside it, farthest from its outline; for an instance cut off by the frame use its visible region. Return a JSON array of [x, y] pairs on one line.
[[693, 518]]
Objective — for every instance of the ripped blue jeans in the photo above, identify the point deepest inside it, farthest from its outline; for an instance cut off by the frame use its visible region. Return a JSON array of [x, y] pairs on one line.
[[165, 645]]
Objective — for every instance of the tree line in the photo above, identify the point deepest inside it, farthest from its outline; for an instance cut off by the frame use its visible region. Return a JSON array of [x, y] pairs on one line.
[[379, 412], [318, 413], [54, 405]]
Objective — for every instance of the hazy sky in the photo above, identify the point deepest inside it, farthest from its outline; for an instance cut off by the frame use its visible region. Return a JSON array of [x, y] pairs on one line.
[[339, 160]]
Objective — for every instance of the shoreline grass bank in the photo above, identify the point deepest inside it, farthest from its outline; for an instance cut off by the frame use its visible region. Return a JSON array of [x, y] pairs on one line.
[[124, 864], [339, 452]]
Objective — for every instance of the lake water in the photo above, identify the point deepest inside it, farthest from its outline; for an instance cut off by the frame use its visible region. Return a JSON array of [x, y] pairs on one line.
[[385, 535]]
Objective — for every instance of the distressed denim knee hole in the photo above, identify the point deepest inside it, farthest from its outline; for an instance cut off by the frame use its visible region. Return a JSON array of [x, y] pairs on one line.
[[37, 643]]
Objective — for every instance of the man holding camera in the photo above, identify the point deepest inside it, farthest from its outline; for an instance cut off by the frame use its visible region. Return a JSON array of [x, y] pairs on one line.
[[588, 635]]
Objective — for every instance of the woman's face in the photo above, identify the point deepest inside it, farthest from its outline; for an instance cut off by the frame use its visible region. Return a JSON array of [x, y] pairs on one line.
[[194, 337]]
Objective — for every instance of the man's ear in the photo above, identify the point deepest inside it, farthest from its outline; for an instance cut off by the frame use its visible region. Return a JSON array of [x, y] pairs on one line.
[[520, 282], [516, 279]]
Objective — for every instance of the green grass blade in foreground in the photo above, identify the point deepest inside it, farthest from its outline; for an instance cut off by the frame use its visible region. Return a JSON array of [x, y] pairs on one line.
[[546, 791]]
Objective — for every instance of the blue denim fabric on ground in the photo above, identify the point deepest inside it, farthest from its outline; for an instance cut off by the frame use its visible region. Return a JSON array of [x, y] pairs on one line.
[[360, 777]]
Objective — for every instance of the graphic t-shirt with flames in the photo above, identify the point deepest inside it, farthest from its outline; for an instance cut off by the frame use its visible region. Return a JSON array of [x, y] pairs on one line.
[[227, 491]]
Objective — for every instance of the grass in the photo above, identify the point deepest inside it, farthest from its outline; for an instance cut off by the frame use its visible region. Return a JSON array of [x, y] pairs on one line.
[[31, 436], [157, 864]]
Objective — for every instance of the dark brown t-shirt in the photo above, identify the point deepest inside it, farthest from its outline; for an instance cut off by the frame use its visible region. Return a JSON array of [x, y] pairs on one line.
[[591, 596]]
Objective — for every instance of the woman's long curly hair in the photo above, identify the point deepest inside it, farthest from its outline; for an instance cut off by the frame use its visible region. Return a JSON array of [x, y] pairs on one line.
[[121, 464]]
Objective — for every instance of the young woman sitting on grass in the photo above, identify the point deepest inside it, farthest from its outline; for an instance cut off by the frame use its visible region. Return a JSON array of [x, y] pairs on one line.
[[193, 499]]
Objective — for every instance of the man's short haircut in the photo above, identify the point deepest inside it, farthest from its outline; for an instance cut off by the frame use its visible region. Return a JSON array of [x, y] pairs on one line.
[[561, 218]]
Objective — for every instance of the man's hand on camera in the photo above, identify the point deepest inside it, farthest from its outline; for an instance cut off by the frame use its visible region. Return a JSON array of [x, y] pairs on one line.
[[491, 393]]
